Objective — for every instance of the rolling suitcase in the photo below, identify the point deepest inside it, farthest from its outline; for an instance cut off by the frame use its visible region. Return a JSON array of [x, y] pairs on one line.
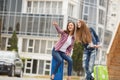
[[100, 72], [59, 74]]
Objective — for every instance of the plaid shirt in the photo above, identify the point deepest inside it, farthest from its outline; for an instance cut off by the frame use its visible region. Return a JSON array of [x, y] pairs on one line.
[[62, 40]]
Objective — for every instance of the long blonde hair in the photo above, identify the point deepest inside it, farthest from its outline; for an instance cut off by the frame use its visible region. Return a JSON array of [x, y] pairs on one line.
[[83, 34]]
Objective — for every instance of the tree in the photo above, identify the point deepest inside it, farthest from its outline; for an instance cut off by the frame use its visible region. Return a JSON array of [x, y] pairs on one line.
[[77, 58], [13, 42]]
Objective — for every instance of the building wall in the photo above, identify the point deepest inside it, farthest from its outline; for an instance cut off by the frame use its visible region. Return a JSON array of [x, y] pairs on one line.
[[32, 20]]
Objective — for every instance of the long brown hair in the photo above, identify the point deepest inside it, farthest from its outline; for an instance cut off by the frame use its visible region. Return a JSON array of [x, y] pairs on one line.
[[67, 30], [83, 34]]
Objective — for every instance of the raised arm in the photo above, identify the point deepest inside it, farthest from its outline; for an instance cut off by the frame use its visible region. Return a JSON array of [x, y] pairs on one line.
[[59, 30]]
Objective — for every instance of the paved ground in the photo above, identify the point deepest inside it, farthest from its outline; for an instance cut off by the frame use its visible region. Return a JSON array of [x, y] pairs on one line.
[[2, 77]]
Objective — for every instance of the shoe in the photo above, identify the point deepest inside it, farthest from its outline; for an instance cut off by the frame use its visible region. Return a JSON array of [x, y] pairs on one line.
[[92, 78]]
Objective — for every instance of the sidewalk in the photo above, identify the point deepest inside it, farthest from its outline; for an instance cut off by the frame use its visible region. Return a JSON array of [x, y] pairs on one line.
[[48, 77]]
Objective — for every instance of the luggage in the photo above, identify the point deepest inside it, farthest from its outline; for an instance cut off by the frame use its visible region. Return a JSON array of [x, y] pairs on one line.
[[100, 72], [59, 74]]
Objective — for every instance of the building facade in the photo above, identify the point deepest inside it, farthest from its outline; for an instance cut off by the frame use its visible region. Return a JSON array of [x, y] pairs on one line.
[[32, 21]]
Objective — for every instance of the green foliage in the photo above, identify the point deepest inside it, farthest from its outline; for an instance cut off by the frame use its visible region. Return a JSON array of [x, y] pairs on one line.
[[77, 58], [13, 42]]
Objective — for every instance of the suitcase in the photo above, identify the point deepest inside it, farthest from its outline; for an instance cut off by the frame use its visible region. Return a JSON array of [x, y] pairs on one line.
[[59, 74], [100, 72]]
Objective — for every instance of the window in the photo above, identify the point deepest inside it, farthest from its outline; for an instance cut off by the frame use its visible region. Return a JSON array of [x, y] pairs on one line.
[[102, 3], [41, 6], [47, 68], [92, 1], [35, 6], [24, 45], [30, 22], [29, 6], [36, 46], [100, 33], [54, 7], [86, 9], [108, 38], [34, 66], [101, 16], [70, 9], [30, 46], [41, 67], [48, 3], [43, 46], [86, 18]]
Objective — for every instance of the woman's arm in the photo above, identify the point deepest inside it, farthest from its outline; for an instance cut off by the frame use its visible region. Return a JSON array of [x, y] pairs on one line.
[[59, 30]]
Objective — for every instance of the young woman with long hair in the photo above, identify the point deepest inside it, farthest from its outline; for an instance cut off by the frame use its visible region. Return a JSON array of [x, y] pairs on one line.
[[63, 47], [90, 41]]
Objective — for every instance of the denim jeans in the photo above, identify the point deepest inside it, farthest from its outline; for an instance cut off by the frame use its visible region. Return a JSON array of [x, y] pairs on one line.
[[59, 56], [88, 62]]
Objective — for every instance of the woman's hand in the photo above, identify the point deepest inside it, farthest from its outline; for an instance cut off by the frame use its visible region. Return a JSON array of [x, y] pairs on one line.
[[55, 23], [68, 54]]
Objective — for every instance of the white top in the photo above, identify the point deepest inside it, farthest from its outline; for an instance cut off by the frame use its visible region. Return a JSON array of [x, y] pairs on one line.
[[66, 44]]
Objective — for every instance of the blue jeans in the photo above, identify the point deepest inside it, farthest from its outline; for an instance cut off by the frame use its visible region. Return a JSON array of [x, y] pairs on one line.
[[59, 56], [88, 62]]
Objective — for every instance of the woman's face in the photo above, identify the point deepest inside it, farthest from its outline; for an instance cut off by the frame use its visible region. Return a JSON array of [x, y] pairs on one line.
[[79, 24], [71, 27]]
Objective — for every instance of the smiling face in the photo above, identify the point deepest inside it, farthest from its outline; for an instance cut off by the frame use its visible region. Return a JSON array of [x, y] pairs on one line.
[[70, 27]]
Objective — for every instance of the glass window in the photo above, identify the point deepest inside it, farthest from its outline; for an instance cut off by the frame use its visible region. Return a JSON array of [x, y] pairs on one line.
[[41, 7], [29, 28], [29, 6], [35, 6], [47, 7], [54, 7], [24, 45], [108, 38], [13, 5], [70, 9], [43, 46], [17, 24], [30, 50], [34, 68], [11, 23], [36, 46], [35, 25], [42, 25], [86, 9], [48, 25], [59, 7], [19, 6], [92, 1], [102, 3], [1, 5], [30, 43], [47, 72], [28, 64], [49, 51], [23, 24], [27, 70], [87, 1], [86, 18], [101, 16], [100, 33], [41, 67], [49, 44]]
